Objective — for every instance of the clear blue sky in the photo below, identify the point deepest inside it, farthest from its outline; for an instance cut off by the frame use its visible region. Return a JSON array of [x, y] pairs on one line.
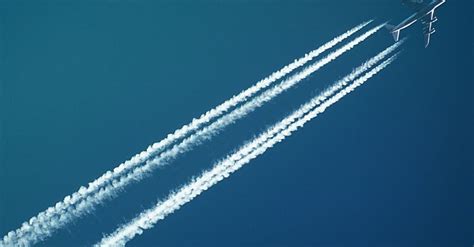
[[84, 86]]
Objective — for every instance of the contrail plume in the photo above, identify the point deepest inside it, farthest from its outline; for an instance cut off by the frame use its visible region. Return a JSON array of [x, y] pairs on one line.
[[236, 160], [138, 173], [38, 228]]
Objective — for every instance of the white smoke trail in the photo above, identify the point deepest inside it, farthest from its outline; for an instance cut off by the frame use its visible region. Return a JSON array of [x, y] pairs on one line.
[[94, 186], [235, 161], [138, 173]]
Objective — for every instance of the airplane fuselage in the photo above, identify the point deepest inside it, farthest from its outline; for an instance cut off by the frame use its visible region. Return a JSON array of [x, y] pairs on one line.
[[427, 10]]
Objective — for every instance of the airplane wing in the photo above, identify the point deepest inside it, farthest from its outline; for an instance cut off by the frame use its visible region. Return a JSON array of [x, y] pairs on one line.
[[427, 22], [427, 39], [414, 4]]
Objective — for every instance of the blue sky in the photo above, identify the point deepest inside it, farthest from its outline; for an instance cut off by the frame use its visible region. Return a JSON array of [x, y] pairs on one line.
[[87, 85]]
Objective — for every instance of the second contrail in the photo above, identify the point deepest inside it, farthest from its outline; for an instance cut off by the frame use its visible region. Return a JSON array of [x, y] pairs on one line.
[[162, 159], [45, 223], [245, 154]]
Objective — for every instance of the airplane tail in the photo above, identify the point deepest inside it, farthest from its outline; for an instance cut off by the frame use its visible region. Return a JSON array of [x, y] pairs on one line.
[[395, 33]]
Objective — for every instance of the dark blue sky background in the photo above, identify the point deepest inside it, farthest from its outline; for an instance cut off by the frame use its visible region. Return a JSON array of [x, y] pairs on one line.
[[84, 86]]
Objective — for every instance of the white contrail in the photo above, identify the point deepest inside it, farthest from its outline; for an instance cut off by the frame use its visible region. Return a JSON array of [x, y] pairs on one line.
[[87, 205], [155, 148], [235, 161]]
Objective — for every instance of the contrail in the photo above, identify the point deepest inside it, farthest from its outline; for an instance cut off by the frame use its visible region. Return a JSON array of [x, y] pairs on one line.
[[138, 173], [244, 155], [94, 186]]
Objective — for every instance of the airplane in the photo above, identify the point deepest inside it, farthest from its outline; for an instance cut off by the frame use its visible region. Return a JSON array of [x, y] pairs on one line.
[[424, 13]]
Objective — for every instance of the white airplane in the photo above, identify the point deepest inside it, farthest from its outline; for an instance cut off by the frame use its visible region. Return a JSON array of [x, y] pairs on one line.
[[424, 13]]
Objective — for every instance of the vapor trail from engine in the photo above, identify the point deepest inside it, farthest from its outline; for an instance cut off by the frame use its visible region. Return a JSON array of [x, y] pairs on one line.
[[190, 142], [45, 223], [246, 153], [138, 173]]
